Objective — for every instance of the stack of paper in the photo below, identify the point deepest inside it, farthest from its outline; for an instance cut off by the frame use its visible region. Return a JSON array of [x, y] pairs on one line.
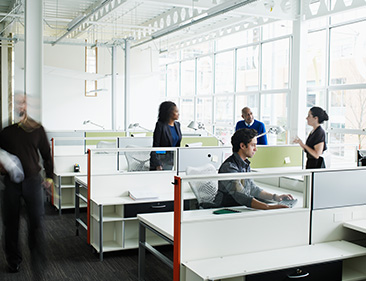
[[142, 194]]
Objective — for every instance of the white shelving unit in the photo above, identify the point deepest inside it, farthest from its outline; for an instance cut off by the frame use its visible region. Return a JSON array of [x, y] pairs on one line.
[[111, 230], [63, 193]]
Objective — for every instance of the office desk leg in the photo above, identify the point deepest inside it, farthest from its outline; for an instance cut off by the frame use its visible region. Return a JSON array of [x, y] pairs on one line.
[[59, 195], [101, 232], [77, 206], [142, 252]]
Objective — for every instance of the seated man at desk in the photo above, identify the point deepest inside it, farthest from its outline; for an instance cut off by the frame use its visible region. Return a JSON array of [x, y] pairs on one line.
[[244, 192]]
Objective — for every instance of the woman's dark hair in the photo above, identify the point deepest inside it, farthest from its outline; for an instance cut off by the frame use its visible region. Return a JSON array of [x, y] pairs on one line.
[[317, 111], [165, 111], [242, 136]]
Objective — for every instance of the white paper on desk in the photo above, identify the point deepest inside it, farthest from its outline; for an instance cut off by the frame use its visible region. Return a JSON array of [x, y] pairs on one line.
[[142, 194]]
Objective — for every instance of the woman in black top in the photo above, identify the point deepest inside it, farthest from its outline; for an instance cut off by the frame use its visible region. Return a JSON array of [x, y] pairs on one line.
[[315, 143], [166, 134]]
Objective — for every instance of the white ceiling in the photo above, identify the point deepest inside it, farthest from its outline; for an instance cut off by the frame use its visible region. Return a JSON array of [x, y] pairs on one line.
[[109, 21]]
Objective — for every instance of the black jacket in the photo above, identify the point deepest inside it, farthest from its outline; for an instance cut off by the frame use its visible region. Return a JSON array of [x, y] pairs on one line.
[[163, 138]]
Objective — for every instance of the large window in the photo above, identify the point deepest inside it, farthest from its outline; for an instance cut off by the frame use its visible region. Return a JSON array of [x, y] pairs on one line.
[[347, 54], [247, 69], [173, 80], [274, 113], [91, 66], [213, 81], [224, 72], [275, 64], [316, 58], [340, 43], [188, 77]]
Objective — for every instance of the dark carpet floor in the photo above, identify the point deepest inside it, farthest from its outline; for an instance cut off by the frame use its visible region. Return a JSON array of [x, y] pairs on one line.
[[69, 257]]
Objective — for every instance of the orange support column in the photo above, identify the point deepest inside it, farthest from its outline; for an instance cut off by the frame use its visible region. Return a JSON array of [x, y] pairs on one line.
[[88, 203], [177, 227], [53, 165]]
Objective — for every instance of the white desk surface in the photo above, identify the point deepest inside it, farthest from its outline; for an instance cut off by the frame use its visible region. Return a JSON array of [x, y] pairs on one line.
[[252, 263], [359, 225], [82, 179], [169, 196], [69, 174], [162, 222]]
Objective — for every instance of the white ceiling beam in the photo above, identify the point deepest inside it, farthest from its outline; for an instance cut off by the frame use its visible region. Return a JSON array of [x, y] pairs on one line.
[[103, 9], [113, 6], [201, 4]]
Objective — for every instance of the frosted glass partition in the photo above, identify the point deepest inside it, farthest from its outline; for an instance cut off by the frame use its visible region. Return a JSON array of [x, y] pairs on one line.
[[134, 159], [79, 145], [135, 141], [339, 188], [296, 183]]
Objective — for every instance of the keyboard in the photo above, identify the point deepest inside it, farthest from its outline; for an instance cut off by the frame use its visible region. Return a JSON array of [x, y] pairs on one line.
[[288, 203]]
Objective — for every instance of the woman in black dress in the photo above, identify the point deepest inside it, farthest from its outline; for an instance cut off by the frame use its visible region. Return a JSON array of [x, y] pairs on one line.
[[315, 143], [166, 134]]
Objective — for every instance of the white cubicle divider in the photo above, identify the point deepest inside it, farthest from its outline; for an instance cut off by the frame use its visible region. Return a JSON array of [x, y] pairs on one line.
[[70, 160], [135, 141], [80, 145], [200, 156], [339, 197], [239, 246], [205, 235], [115, 199]]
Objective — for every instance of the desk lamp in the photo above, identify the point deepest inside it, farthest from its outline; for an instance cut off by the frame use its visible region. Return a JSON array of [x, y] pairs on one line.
[[273, 130], [88, 121], [200, 126], [137, 125]]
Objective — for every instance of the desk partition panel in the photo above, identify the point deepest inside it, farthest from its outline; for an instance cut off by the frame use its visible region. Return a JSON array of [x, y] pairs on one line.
[[277, 156], [97, 136], [339, 196], [203, 141], [339, 188], [135, 141], [207, 235]]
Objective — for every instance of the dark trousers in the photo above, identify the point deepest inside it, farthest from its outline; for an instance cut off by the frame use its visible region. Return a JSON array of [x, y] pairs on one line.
[[31, 191]]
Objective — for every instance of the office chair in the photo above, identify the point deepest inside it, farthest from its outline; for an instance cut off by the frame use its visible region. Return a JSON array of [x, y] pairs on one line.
[[137, 160], [204, 190]]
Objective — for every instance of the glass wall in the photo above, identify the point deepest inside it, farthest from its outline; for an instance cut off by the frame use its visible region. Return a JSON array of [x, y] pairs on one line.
[[336, 76], [212, 81]]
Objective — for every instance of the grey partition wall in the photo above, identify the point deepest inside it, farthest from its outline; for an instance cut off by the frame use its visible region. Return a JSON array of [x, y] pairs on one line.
[[341, 188], [199, 156]]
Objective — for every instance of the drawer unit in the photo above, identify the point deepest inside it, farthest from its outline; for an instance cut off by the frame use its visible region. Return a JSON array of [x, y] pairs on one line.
[[315, 272], [131, 210]]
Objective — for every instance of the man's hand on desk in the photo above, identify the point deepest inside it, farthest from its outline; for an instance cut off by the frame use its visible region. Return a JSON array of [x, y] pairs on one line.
[[281, 197]]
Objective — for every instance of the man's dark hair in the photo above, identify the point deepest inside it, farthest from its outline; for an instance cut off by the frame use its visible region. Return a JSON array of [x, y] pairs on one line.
[[242, 136], [165, 111]]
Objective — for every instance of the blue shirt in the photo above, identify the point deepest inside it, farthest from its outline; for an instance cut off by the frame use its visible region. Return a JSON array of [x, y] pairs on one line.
[[258, 126], [175, 137]]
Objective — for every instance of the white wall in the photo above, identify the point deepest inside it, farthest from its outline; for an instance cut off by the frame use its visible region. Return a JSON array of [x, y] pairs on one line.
[[144, 86], [64, 104]]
